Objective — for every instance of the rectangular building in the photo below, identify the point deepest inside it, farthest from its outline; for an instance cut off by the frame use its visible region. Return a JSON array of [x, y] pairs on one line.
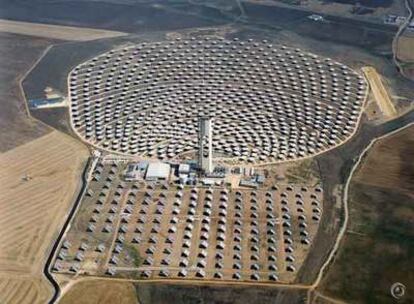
[[158, 172]]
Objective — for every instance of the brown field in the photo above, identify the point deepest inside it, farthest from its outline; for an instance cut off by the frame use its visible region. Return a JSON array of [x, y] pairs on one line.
[[100, 292], [23, 290], [38, 183], [377, 248], [390, 158], [55, 31], [405, 48]]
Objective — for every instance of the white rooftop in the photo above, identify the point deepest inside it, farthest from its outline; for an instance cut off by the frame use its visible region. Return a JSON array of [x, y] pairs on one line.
[[158, 171]]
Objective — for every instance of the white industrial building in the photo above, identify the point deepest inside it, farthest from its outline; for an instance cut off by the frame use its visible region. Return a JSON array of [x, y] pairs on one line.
[[158, 172]]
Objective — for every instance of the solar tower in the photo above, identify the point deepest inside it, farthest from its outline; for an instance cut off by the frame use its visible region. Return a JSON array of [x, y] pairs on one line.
[[205, 141]]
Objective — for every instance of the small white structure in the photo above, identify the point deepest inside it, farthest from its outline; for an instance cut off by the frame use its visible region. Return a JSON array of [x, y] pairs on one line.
[[200, 273], [183, 169], [183, 273]]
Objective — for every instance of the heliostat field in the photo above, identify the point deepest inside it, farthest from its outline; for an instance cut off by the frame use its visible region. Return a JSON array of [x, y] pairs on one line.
[[269, 103]]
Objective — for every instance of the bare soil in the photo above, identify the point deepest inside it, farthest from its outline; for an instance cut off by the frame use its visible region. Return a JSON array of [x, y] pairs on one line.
[[100, 292]]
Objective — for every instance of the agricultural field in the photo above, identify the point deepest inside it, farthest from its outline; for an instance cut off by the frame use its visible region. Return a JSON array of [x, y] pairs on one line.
[[377, 248], [104, 292], [23, 290], [405, 48], [406, 55], [18, 54], [55, 31], [33, 204]]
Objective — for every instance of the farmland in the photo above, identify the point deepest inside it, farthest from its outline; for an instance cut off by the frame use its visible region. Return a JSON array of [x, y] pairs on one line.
[[33, 203], [378, 241], [55, 31], [18, 53], [105, 292]]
